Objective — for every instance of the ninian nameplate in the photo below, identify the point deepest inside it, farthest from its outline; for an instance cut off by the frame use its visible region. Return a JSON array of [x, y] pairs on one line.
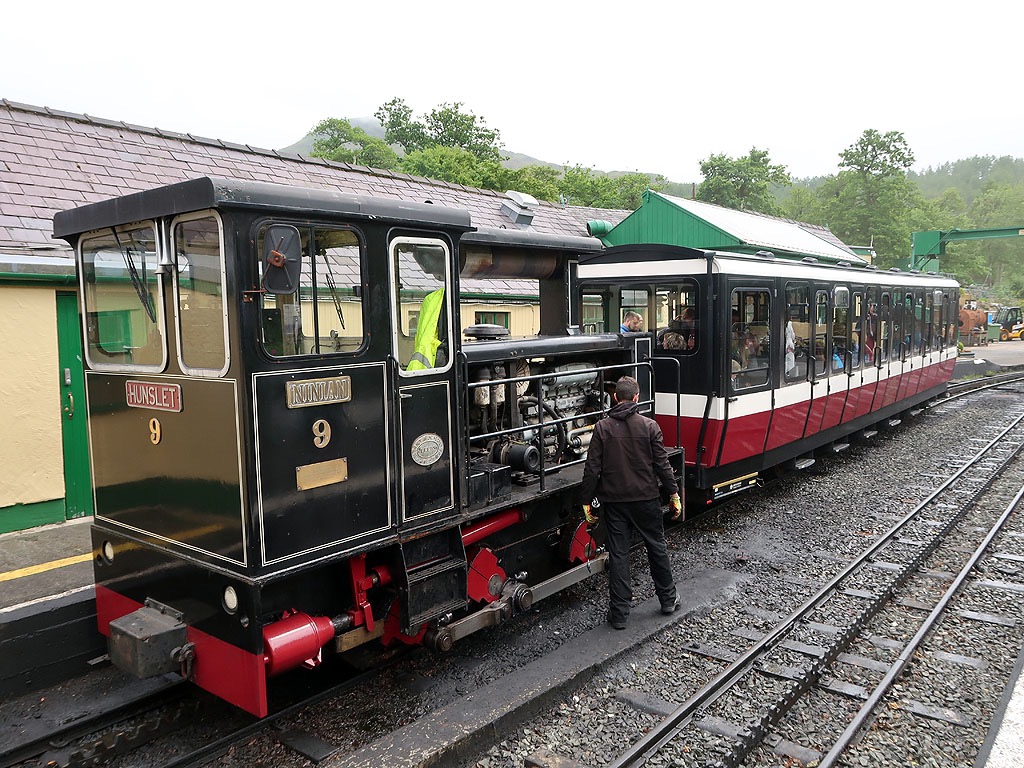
[[309, 392]]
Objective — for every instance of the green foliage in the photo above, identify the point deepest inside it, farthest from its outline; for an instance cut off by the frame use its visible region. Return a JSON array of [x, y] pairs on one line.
[[743, 183], [445, 126], [582, 186], [342, 142], [453, 164]]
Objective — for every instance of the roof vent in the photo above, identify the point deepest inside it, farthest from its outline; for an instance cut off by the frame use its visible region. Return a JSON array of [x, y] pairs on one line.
[[599, 227], [765, 254], [519, 207], [809, 260]]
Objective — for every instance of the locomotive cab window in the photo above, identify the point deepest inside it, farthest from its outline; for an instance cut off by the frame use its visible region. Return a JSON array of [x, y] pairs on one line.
[[199, 292], [324, 313], [421, 304], [123, 297]]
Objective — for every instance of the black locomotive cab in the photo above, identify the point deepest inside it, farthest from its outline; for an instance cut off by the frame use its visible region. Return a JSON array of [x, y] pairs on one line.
[[299, 445]]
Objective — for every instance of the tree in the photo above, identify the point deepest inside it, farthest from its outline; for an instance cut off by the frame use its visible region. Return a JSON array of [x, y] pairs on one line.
[[452, 164], [742, 183], [582, 186], [871, 200], [445, 126], [343, 142]]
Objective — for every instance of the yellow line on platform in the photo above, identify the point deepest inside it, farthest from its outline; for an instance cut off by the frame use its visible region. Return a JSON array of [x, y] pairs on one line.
[[43, 567]]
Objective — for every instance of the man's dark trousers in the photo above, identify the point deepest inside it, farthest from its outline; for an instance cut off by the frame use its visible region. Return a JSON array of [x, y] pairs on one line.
[[620, 518]]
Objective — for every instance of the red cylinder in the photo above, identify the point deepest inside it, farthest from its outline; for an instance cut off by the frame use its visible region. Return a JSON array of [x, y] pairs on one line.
[[479, 531], [295, 640]]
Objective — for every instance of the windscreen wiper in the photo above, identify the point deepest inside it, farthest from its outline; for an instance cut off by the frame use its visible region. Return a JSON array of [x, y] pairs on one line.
[[133, 273]]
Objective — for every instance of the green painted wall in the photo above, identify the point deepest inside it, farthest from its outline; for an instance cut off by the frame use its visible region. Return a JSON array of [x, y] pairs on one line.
[[22, 516], [659, 221]]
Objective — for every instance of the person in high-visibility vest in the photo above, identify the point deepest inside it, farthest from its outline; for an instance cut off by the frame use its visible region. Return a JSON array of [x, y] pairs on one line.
[[427, 341]]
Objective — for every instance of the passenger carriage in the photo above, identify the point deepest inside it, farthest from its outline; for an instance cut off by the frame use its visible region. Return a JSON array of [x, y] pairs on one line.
[[866, 346]]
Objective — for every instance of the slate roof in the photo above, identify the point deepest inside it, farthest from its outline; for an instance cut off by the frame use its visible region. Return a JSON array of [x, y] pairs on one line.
[[52, 160]]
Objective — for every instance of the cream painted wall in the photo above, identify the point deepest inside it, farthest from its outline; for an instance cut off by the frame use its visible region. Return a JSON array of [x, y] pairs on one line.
[[31, 453]]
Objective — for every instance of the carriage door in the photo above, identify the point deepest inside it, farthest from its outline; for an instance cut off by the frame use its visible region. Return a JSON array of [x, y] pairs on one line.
[[422, 347]]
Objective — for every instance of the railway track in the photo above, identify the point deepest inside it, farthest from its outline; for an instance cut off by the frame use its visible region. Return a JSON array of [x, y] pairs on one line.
[[194, 728], [802, 656], [797, 651]]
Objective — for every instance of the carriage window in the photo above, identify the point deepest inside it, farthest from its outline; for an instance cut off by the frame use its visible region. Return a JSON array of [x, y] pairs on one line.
[[124, 319], [798, 331], [750, 338], [325, 316], [633, 300], [202, 335], [840, 329], [885, 326], [922, 322], [422, 304], [821, 353], [871, 327], [676, 317], [856, 328], [595, 313]]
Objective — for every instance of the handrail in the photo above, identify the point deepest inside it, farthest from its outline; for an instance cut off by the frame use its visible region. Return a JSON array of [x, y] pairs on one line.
[[543, 424]]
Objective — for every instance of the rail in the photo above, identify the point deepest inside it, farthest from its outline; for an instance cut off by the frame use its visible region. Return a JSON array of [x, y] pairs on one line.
[[963, 481]]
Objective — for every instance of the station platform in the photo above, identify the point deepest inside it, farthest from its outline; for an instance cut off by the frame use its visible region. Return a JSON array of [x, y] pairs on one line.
[[48, 624]]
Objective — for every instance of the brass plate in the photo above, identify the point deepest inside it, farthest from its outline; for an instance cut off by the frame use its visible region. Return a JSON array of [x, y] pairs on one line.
[[320, 474], [308, 392]]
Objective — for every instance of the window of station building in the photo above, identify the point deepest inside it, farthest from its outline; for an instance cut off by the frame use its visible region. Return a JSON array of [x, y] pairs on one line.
[[797, 332], [676, 317], [325, 316], [492, 318], [199, 291], [422, 304], [124, 318], [750, 338], [840, 357]]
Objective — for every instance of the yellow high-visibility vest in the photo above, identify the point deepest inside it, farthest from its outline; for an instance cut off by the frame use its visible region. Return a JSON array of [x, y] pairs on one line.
[[427, 341]]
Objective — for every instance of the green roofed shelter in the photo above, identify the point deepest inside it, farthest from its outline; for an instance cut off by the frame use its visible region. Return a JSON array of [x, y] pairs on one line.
[[663, 219]]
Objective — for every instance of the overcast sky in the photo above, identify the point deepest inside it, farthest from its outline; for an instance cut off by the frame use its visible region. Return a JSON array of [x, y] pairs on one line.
[[630, 86]]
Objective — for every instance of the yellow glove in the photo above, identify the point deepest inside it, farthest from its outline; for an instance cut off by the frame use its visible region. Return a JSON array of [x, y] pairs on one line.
[[677, 506], [591, 519]]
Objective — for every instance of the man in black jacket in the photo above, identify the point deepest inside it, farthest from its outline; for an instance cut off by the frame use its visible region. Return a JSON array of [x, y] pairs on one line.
[[625, 461]]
